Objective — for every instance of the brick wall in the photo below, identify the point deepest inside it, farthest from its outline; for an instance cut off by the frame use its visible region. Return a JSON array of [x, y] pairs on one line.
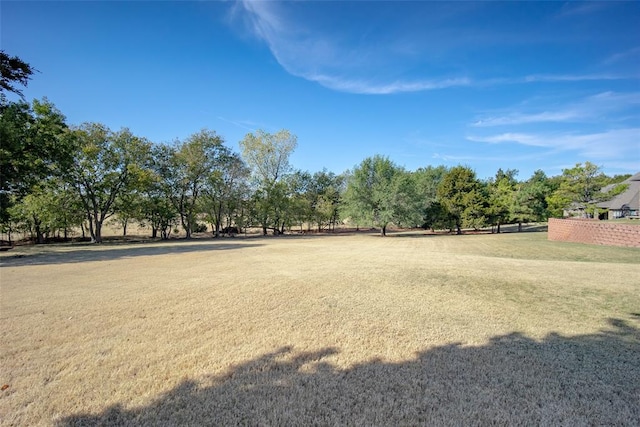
[[594, 232]]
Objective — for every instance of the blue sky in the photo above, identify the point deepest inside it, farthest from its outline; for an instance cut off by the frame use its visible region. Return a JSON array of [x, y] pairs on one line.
[[521, 85]]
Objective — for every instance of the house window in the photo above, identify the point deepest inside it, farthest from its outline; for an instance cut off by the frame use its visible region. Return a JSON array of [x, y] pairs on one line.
[[625, 211]]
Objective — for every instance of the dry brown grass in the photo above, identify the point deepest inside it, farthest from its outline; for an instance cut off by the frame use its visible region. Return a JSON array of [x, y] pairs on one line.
[[351, 329]]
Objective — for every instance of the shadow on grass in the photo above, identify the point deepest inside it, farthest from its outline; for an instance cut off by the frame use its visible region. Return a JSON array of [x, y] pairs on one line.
[[109, 252], [576, 380], [506, 229]]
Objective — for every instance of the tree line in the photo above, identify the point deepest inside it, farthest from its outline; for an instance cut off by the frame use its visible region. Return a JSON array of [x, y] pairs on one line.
[[57, 178]]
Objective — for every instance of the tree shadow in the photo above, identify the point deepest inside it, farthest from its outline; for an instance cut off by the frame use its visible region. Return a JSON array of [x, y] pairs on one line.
[[559, 380], [506, 229], [526, 228], [110, 252]]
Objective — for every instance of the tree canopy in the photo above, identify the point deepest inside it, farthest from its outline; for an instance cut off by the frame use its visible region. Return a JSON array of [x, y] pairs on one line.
[[461, 193], [581, 189], [106, 165], [14, 70], [267, 155], [379, 193]]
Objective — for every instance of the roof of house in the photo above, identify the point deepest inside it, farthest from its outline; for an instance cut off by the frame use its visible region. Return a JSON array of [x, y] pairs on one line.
[[630, 197]]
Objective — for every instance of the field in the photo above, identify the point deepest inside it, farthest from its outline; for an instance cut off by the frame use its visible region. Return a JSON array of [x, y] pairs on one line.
[[349, 329]]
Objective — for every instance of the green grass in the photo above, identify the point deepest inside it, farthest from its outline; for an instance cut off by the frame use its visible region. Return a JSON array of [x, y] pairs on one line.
[[535, 246]]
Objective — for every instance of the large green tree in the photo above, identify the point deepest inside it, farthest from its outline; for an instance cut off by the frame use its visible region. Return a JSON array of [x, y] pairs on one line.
[[33, 148], [300, 199], [580, 189], [427, 181], [529, 203], [267, 155], [224, 191], [157, 209], [192, 165], [49, 208], [501, 191], [105, 165], [325, 195], [463, 196], [33, 213], [380, 192]]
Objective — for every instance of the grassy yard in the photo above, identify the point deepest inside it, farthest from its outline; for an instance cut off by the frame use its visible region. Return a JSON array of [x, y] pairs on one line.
[[321, 330]]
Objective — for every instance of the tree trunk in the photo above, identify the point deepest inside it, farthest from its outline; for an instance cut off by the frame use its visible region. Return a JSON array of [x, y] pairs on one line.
[[458, 229], [92, 233], [186, 225], [97, 233], [264, 230], [39, 235], [383, 231], [498, 229], [218, 219], [124, 228], [519, 226], [165, 232]]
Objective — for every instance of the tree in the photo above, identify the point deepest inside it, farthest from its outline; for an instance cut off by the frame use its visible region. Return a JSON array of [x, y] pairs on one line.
[[68, 213], [529, 203], [407, 205], [381, 193], [33, 213], [427, 181], [501, 191], [13, 70], [128, 207], [300, 199], [16, 153], [225, 189], [461, 194], [32, 149], [105, 165], [191, 165], [156, 205], [325, 196], [267, 155], [437, 217], [581, 189], [50, 207]]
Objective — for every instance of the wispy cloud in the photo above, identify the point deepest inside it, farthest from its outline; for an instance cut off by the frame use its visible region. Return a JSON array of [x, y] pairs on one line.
[[623, 56], [551, 78], [596, 107], [470, 158], [371, 88], [573, 8], [610, 144], [244, 124], [316, 57], [399, 86], [333, 60], [520, 118]]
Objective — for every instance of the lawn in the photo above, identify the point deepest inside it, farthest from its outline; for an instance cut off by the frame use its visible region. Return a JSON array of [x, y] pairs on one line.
[[321, 330]]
